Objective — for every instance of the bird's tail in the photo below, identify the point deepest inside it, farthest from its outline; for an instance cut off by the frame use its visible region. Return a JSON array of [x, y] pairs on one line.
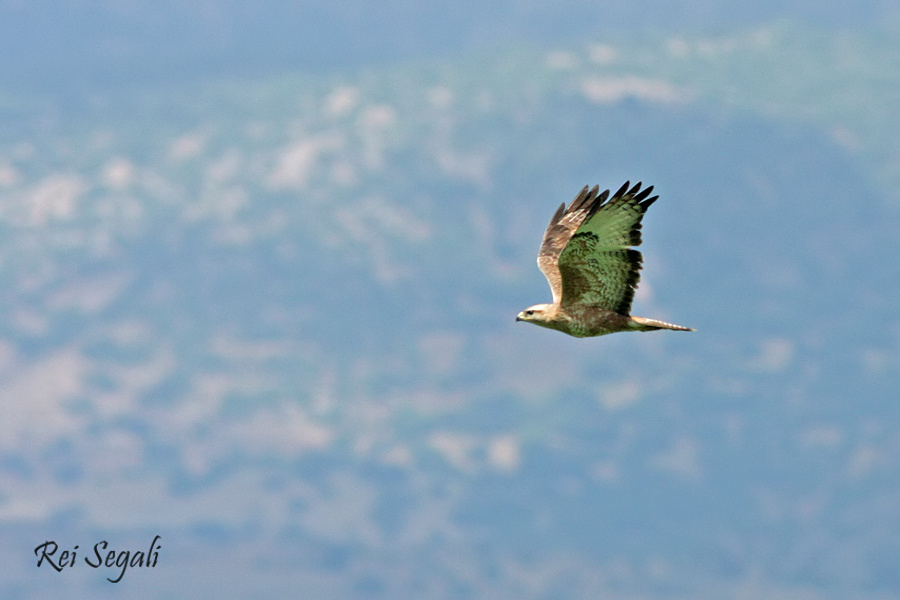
[[642, 324]]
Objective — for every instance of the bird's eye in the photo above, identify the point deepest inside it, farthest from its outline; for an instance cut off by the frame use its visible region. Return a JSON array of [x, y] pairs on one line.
[[529, 313]]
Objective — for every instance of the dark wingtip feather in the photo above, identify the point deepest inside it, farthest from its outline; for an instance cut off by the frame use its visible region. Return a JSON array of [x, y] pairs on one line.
[[580, 199], [622, 190], [646, 203], [643, 194]]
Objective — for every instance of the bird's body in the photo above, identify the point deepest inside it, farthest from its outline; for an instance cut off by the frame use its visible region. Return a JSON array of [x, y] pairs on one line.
[[588, 260]]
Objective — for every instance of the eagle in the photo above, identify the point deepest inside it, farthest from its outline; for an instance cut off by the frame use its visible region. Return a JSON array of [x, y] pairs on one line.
[[593, 270]]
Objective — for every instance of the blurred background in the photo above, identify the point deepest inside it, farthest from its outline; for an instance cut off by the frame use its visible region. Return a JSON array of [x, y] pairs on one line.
[[260, 263]]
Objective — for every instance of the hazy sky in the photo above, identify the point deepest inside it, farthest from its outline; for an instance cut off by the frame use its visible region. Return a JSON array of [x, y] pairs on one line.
[[53, 44]]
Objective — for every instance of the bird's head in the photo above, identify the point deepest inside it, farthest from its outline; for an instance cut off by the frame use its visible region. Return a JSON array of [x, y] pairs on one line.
[[539, 314]]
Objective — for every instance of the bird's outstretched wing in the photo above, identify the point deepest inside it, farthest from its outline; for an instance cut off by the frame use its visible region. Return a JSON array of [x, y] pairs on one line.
[[598, 267], [561, 229]]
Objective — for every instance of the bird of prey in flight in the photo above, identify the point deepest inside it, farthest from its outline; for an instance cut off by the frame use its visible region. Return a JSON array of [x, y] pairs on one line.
[[588, 259]]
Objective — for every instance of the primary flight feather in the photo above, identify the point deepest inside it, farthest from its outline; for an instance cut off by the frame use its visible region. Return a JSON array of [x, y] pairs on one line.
[[593, 270]]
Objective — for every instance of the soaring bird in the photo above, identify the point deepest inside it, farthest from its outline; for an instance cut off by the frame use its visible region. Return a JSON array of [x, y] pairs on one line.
[[588, 259]]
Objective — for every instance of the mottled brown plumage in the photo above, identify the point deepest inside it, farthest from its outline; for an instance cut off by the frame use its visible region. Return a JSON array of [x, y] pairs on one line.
[[588, 259]]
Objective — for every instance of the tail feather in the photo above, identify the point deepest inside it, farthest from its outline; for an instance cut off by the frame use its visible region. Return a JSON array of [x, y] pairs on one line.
[[642, 324]]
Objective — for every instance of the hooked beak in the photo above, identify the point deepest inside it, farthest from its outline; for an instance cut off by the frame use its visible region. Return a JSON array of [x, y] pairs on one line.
[[519, 317]]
